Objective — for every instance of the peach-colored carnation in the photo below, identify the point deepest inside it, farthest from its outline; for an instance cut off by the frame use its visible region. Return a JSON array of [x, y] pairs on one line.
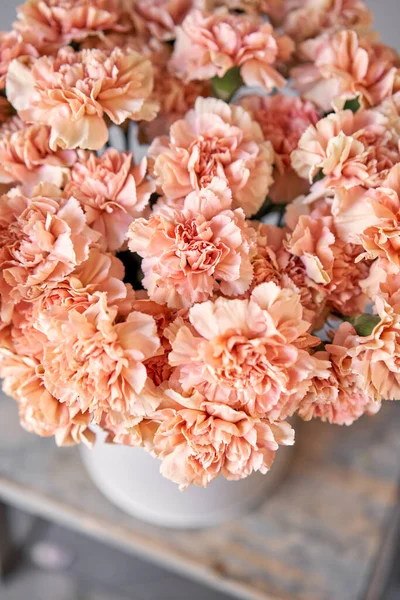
[[371, 218], [250, 354], [63, 21], [72, 92], [347, 149], [215, 139], [158, 18], [190, 254], [340, 399], [313, 17], [376, 356], [312, 242], [39, 411], [95, 363], [26, 157], [43, 238], [209, 44], [343, 66], [13, 45], [283, 119], [198, 440], [112, 191]]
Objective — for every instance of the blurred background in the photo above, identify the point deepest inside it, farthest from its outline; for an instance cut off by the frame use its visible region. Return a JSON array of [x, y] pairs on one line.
[[58, 564]]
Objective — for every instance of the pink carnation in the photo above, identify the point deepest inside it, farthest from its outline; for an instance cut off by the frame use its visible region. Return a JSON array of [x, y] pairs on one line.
[[215, 139], [43, 239], [63, 21], [309, 18], [158, 18], [39, 411], [283, 119], [26, 156], [347, 149], [376, 356], [190, 254], [209, 44], [344, 66], [73, 92], [13, 45], [250, 354], [371, 218], [92, 361], [112, 191], [198, 440], [340, 399]]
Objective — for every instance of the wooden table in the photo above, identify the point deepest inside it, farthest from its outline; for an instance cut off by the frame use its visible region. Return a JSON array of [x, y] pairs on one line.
[[327, 534]]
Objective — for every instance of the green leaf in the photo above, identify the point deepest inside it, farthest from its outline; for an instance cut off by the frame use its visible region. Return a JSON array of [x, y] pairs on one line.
[[320, 175], [226, 86], [353, 104], [364, 324]]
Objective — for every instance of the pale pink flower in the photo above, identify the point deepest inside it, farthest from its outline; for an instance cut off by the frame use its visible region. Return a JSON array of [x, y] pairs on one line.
[[339, 399], [310, 18], [347, 149], [343, 66], [73, 92], [158, 18], [39, 411], [112, 191], [283, 119], [43, 239], [13, 45], [26, 156], [376, 356], [251, 354], [312, 241], [345, 292], [190, 254], [383, 280], [92, 361], [215, 139], [209, 44], [198, 440], [63, 21], [371, 218]]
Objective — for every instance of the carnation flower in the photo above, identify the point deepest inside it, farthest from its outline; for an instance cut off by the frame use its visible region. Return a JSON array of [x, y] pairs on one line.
[[344, 66], [198, 440], [13, 45], [158, 18], [312, 242], [371, 218], [72, 92], [92, 361], [340, 399], [190, 254], [250, 354], [39, 411], [310, 18], [112, 191], [63, 21], [43, 238], [26, 157], [215, 139], [347, 149], [283, 119], [376, 356], [209, 44]]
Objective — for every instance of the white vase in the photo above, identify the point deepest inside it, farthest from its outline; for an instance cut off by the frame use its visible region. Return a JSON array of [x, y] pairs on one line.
[[130, 478]]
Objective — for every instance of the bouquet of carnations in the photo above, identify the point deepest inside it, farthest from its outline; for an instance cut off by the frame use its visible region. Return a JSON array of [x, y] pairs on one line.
[[246, 270]]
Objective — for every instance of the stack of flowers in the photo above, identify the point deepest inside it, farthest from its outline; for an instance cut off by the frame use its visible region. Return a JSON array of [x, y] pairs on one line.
[[246, 270]]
